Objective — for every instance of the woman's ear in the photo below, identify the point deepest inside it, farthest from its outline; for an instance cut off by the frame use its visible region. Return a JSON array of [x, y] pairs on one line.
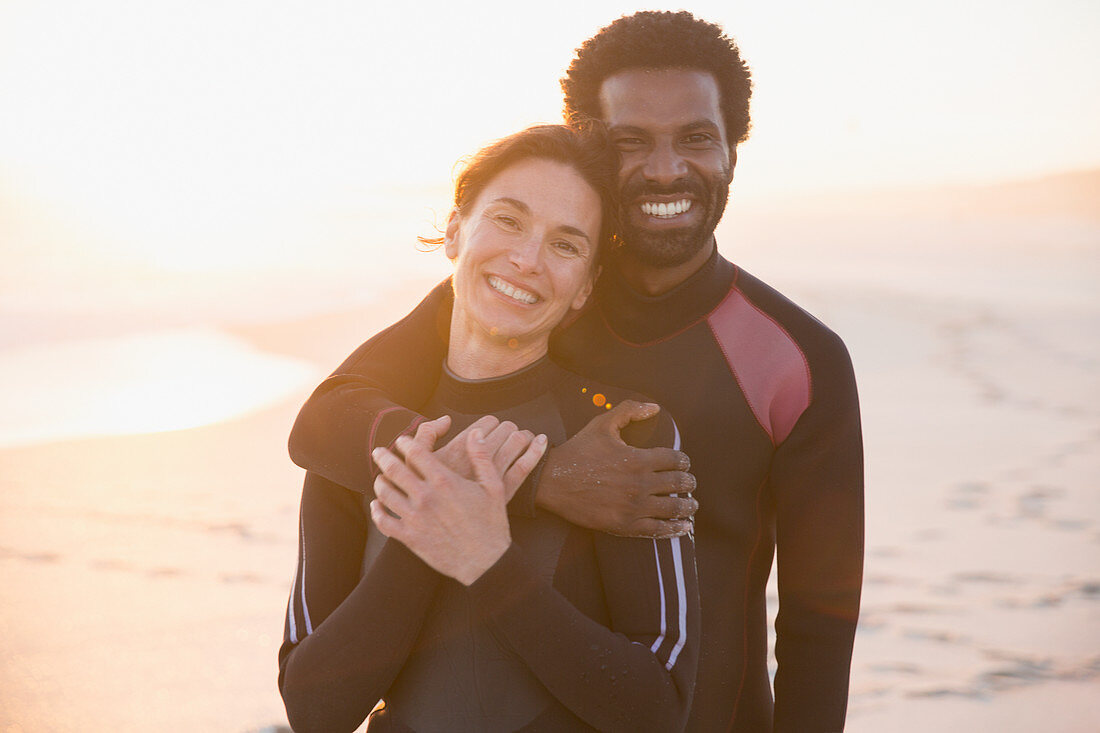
[[450, 234], [582, 296]]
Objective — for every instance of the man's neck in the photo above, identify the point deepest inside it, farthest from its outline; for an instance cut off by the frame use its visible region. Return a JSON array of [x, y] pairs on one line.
[[652, 281]]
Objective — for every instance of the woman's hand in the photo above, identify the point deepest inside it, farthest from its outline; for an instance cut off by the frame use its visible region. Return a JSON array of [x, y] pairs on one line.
[[503, 441], [457, 526]]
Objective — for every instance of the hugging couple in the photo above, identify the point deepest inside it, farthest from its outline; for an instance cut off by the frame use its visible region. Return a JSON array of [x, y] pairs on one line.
[[549, 498]]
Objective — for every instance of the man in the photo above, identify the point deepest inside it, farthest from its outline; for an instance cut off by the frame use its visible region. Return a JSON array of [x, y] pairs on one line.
[[763, 393]]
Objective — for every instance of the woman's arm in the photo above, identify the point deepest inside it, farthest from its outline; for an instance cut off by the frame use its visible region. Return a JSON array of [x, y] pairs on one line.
[[637, 675], [346, 638]]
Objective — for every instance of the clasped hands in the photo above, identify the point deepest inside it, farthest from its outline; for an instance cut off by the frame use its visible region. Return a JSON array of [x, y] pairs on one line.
[[448, 505]]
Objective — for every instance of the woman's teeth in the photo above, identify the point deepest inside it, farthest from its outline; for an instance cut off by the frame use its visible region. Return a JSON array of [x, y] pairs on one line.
[[664, 211], [515, 293]]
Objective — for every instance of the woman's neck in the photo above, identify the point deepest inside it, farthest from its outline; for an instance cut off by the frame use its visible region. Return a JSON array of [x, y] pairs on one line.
[[473, 354]]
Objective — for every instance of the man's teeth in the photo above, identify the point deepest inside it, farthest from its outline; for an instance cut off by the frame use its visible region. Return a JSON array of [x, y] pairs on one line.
[[521, 295], [665, 211]]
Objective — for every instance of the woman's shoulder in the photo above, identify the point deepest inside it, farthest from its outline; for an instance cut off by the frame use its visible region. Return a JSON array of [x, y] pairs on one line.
[[580, 399]]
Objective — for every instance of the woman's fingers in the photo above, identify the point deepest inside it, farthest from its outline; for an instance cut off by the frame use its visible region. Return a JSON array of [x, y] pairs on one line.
[[511, 449], [396, 470], [419, 458], [392, 497], [524, 464], [386, 523], [430, 431], [485, 473]]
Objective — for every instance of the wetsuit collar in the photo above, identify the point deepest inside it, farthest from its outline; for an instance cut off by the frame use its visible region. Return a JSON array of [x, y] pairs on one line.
[[496, 393], [639, 318]]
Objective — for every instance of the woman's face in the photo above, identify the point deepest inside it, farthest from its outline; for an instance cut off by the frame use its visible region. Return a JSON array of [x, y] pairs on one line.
[[523, 251]]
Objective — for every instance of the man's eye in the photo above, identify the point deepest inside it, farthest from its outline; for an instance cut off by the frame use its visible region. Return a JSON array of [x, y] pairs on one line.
[[506, 221], [697, 138]]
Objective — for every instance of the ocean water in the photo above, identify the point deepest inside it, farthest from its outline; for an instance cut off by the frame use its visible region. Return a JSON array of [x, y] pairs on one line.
[[138, 383], [107, 329]]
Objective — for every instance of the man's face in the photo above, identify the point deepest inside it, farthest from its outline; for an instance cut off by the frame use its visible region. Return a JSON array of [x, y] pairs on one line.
[[676, 163]]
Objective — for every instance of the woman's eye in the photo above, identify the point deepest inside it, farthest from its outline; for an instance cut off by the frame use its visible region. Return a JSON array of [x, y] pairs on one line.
[[628, 143], [567, 248]]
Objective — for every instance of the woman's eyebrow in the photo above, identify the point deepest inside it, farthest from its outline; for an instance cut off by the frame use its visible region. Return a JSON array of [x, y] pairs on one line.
[[567, 229], [513, 202], [564, 228]]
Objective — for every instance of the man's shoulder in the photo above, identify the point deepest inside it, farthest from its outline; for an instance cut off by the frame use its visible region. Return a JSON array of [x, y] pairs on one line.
[[776, 311]]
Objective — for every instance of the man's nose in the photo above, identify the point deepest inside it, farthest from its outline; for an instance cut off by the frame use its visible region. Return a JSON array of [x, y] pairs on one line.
[[664, 164]]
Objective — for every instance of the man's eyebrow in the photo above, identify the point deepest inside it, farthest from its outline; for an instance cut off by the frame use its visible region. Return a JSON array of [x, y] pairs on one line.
[[700, 123]]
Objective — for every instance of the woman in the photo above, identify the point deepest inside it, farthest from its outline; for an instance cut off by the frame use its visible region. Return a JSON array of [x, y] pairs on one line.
[[466, 619]]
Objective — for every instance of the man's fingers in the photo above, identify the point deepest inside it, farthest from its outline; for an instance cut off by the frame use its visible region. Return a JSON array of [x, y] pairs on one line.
[[512, 448], [396, 470], [662, 483], [671, 507], [524, 464], [662, 459], [431, 431], [629, 411], [656, 528]]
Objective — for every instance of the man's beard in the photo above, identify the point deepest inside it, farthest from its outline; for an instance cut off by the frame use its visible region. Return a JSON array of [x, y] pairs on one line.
[[672, 247]]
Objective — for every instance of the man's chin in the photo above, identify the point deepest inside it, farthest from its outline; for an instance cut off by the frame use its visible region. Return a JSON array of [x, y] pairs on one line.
[[663, 248]]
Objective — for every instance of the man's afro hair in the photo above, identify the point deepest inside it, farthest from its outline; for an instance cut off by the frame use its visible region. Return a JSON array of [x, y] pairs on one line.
[[660, 40]]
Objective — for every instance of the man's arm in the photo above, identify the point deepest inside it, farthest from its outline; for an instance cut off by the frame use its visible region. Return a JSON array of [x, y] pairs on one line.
[[371, 398], [600, 481], [817, 479], [594, 480]]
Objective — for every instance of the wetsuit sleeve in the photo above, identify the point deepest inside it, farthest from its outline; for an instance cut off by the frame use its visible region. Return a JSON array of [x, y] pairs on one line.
[[345, 637], [636, 674], [817, 481], [371, 398]]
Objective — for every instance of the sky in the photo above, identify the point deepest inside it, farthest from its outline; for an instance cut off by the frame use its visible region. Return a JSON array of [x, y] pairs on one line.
[[168, 168], [191, 135]]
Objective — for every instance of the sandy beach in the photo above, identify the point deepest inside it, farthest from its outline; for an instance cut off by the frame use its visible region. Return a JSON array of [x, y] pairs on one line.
[[144, 577]]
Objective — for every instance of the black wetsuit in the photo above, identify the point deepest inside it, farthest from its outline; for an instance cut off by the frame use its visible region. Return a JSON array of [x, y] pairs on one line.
[[570, 630], [765, 399]]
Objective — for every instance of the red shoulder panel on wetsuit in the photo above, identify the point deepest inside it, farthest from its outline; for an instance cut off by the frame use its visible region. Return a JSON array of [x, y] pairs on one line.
[[770, 367]]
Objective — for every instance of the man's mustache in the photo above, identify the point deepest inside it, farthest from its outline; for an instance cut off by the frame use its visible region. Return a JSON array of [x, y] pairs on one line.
[[691, 186]]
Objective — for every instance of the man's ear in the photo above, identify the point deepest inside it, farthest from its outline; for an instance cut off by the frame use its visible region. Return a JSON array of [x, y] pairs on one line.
[[450, 234], [733, 159]]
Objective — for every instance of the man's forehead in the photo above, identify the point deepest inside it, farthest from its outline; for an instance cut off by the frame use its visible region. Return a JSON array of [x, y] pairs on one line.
[[645, 97]]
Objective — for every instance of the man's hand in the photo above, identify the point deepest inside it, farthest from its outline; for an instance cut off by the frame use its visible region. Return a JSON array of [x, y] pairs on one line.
[[503, 441], [457, 526], [596, 480]]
